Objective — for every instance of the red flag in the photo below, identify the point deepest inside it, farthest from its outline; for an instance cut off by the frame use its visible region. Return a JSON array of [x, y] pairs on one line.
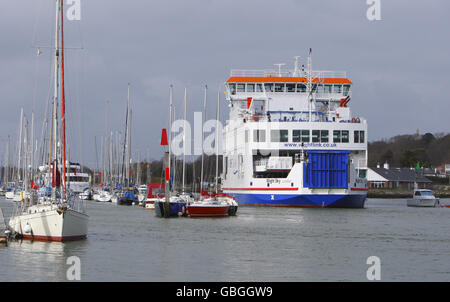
[[249, 102], [164, 138], [167, 173]]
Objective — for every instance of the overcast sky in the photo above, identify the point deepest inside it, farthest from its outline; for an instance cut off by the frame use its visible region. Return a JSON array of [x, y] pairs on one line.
[[399, 65]]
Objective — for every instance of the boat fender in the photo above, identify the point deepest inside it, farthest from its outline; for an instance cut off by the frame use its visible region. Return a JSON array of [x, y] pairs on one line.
[[27, 228]]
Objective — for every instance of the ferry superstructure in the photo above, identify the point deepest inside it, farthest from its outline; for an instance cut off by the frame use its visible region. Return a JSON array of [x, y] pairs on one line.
[[77, 181], [291, 139]]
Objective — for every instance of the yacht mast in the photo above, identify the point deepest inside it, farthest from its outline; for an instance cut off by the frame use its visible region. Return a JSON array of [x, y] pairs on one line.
[[55, 99], [63, 104], [184, 140], [203, 137], [217, 142], [170, 137], [20, 145]]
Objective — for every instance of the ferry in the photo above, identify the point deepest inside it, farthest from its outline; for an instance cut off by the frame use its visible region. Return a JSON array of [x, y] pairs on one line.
[[291, 139], [77, 181]]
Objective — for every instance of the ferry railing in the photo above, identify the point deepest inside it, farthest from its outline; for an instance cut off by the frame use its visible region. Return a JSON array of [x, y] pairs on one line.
[[295, 116], [286, 73]]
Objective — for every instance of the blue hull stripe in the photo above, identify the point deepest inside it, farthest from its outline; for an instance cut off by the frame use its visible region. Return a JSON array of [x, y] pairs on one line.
[[306, 200]]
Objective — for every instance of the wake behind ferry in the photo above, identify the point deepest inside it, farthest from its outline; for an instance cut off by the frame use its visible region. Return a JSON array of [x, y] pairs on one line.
[[291, 139]]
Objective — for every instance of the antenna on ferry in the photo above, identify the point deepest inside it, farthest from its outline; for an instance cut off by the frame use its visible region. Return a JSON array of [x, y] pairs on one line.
[[310, 85], [296, 70], [279, 68]]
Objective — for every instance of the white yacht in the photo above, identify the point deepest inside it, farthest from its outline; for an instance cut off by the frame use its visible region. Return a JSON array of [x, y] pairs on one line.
[[423, 198], [59, 217]]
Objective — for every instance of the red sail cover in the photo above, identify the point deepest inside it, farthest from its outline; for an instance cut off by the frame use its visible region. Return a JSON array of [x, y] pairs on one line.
[[249, 102], [164, 138]]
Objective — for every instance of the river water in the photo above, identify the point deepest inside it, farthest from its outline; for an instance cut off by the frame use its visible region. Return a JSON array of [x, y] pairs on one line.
[[128, 243]]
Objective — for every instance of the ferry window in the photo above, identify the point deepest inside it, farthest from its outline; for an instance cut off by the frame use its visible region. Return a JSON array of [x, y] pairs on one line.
[[296, 136], [320, 88], [268, 87], [314, 88], [250, 87], [315, 136], [337, 88], [280, 136], [324, 136], [361, 136], [246, 135], [300, 136], [305, 136], [259, 136], [344, 136], [327, 88], [290, 87], [279, 87], [336, 136], [301, 88], [259, 88], [346, 89], [232, 88], [356, 136], [284, 136], [240, 87]]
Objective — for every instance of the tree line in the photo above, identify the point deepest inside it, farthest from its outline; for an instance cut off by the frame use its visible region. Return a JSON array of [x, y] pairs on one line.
[[405, 151]]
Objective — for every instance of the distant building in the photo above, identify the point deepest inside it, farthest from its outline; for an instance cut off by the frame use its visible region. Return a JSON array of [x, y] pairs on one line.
[[393, 178]]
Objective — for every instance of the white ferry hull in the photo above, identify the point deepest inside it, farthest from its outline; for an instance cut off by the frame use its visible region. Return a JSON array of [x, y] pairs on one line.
[[51, 225]]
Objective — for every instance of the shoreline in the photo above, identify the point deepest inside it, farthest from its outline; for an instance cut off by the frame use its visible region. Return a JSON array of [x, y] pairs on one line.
[[379, 193]]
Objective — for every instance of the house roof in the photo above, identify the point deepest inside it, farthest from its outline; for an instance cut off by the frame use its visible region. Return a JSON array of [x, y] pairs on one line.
[[401, 174]]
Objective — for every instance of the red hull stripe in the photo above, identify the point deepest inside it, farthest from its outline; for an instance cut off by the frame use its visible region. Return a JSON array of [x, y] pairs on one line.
[[53, 238], [261, 189], [279, 189], [207, 211]]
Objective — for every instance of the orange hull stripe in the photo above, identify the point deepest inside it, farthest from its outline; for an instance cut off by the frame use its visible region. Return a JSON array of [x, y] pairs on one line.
[[287, 80]]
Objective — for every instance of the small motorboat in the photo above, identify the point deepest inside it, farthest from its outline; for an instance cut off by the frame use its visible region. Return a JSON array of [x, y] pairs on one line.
[[86, 195], [423, 198], [125, 197], [104, 196]]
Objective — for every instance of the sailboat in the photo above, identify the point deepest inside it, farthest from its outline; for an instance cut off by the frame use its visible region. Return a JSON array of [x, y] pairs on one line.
[[171, 205], [61, 217], [217, 204]]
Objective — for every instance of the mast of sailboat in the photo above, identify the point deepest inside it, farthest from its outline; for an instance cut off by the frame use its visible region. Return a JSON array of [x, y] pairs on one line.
[[184, 140], [55, 99], [63, 103], [217, 142], [7, 170], [32, 144], [125, 144], [19, 155], [203, 137], [175, 156], [170, 139], [129, 147], [128, 140]]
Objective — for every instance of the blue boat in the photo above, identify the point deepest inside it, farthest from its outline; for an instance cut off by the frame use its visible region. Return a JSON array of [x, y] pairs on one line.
[[177, 207]]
